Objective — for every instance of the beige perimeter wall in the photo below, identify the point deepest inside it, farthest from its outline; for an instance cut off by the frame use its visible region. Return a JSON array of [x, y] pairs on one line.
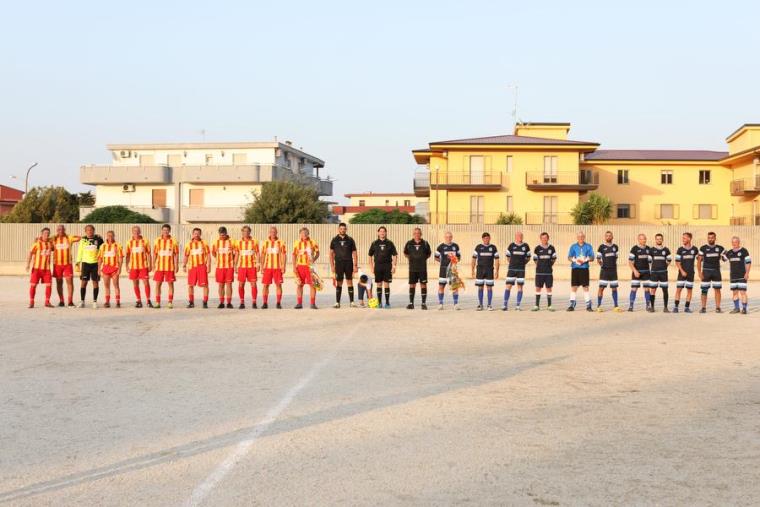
[[15, 239]]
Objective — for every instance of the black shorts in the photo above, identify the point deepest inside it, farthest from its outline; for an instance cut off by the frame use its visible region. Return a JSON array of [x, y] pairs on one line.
[[89, 272], [658, 277], [383, 273], [515, 276], [711, 277], [640, 281], [484, 275], [579, 278], [344, 269], [417, 277], [544, 280], [688, 278], [608, 278]]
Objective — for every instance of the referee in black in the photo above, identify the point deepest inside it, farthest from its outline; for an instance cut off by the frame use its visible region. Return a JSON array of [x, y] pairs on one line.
[[382, 260], [418, 251], [343, 264]]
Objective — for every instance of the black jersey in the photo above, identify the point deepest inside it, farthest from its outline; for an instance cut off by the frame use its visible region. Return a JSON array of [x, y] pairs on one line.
[[544, 257], [661, 258], [383, 251], [608, 255], [519, 255], [640, 257], [737, 262], [343, 246], [687, 256], [418, 254], [443, 251], [485, 255], [711, 255]]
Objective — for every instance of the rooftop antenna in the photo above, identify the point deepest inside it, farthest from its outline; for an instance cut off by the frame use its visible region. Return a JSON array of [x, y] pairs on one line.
[[203, 134], [515, 117]]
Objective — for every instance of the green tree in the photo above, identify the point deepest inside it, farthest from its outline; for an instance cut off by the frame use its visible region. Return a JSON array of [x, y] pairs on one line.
[[45, 204], [596, 210], [509, 219], [286, 202], [116, 215], [86, 198], [379, 216]]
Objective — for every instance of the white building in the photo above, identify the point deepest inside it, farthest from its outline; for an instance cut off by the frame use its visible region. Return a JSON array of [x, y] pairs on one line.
[[197, 182]]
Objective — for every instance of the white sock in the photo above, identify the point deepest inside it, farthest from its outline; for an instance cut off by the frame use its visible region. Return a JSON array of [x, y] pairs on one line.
[[586, 296], [572, 296]]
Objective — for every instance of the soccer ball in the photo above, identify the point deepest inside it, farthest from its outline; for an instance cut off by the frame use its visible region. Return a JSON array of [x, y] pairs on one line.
[[373, 303]]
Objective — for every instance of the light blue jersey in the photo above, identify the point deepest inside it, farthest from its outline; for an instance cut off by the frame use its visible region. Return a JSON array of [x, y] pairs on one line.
[[577, 250]]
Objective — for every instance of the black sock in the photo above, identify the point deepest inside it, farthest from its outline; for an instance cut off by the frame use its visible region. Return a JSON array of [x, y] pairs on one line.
[[677, 302], [651, 300], [338, 293], [387, 295], [549, 299], [379, 294], [350, 293], [423, 292], [538, 299], [688, 302], [665, 297], [82, 291], [411, 294], [95, 291]]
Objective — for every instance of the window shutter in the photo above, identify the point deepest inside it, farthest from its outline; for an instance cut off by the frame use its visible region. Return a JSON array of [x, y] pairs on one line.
[[676, 212], [714, 210], [632, 208], [695, 213], [658, 211]]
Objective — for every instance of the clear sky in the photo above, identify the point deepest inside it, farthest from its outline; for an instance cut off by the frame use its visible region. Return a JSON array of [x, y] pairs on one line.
[[360, 84]]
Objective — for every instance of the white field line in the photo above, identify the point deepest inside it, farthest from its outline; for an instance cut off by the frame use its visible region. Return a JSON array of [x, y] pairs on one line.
[[202, 490]]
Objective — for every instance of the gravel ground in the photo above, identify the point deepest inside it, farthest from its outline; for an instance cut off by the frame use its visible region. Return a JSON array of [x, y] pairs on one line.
[[367, 407]]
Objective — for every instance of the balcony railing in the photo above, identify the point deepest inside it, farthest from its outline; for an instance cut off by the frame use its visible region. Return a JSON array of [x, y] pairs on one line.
[[105, 174], [745, 185], [457, 179], [566, 180], [486, 218], [542, 218], [422, 183]]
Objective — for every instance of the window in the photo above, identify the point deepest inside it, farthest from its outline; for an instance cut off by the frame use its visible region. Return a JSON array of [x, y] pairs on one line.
[[666, 177], [666, 212], [477, 206], [550, 169], [510, 204], [550, 209], [625, 211], [705, 211], [704, 177], [362, 202], [509, 164], [407, 202], [622, 176], [196, 197], [387, 202], [477, 170]]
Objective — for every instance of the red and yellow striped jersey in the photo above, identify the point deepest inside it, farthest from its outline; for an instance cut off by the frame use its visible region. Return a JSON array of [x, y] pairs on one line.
[[305, 250], [196, 252], [138, 250], [110, 254], [223, 250], [164, 250], [248, 250], [42, 250], [271, 250], [62, 249]]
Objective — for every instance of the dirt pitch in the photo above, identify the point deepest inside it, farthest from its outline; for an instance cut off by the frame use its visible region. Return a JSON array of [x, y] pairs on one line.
[[367, 407]]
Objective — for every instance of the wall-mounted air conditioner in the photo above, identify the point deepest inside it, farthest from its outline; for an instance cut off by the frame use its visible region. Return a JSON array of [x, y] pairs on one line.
[[128, 188], [125, 154]]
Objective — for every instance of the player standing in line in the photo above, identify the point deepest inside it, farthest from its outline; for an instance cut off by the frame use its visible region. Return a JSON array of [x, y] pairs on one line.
[[274, 261], [40, 252], [110, 259], [661, 259], [685, 257], [485, 269], [87, 264], [417, 251], [383, 257], [443, 255], [519, 255], [197, 254], [607, 257], [580, 256], [708, 265], [739, 263], [343, 263], [544, 255], [223, 250], [639, 259], [62, 268], [138, 261], [305, 252], [166, 264], [247, 256]]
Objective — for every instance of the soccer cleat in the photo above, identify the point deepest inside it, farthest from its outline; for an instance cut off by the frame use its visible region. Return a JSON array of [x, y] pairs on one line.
[[440, 306], [138, 304], [221, 305], [675, 309], [190, 305], [336, 305], [489, 308], [735, 310], [387, 306], [170, 305], [94, 305], [254, 306], [718, 310], [150, 305], [265, 306], [361, 304], [665, 310], [71, 305], [48, 305], [630, 308], [423, 306], [687, 310], [81, 304], [61, 304], [352, 305], [278, 306], [479, 308], [205, 305], [107, 305], [703, 310], [313, 307], [744, 311], [299, 306], [570, 308], [156, 306], [229, 306], [505, 308], [589, 309], [535, 309], [518, 309], [410, 306], [241, 307], [617, 309], [456, 307], [118, 304], [599, 309]]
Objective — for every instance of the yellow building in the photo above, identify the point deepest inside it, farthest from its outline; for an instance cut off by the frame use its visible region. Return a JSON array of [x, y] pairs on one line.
[[539, 175]]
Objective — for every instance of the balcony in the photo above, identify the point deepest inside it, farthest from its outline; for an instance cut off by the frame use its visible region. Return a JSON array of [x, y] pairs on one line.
[[541, 218], [112, 174], [745, 186], [157, 214], [422, 184], [228, 214], [579, 181], [468, 180]]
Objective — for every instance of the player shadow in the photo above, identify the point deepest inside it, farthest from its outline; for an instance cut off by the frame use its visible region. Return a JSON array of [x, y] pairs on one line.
[[281, 426]]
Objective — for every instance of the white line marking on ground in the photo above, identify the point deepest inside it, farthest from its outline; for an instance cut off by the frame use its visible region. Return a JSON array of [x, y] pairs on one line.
[[203, 489]]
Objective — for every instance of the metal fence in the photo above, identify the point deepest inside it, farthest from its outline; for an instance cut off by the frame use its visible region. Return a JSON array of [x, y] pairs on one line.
[[15, 239]]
